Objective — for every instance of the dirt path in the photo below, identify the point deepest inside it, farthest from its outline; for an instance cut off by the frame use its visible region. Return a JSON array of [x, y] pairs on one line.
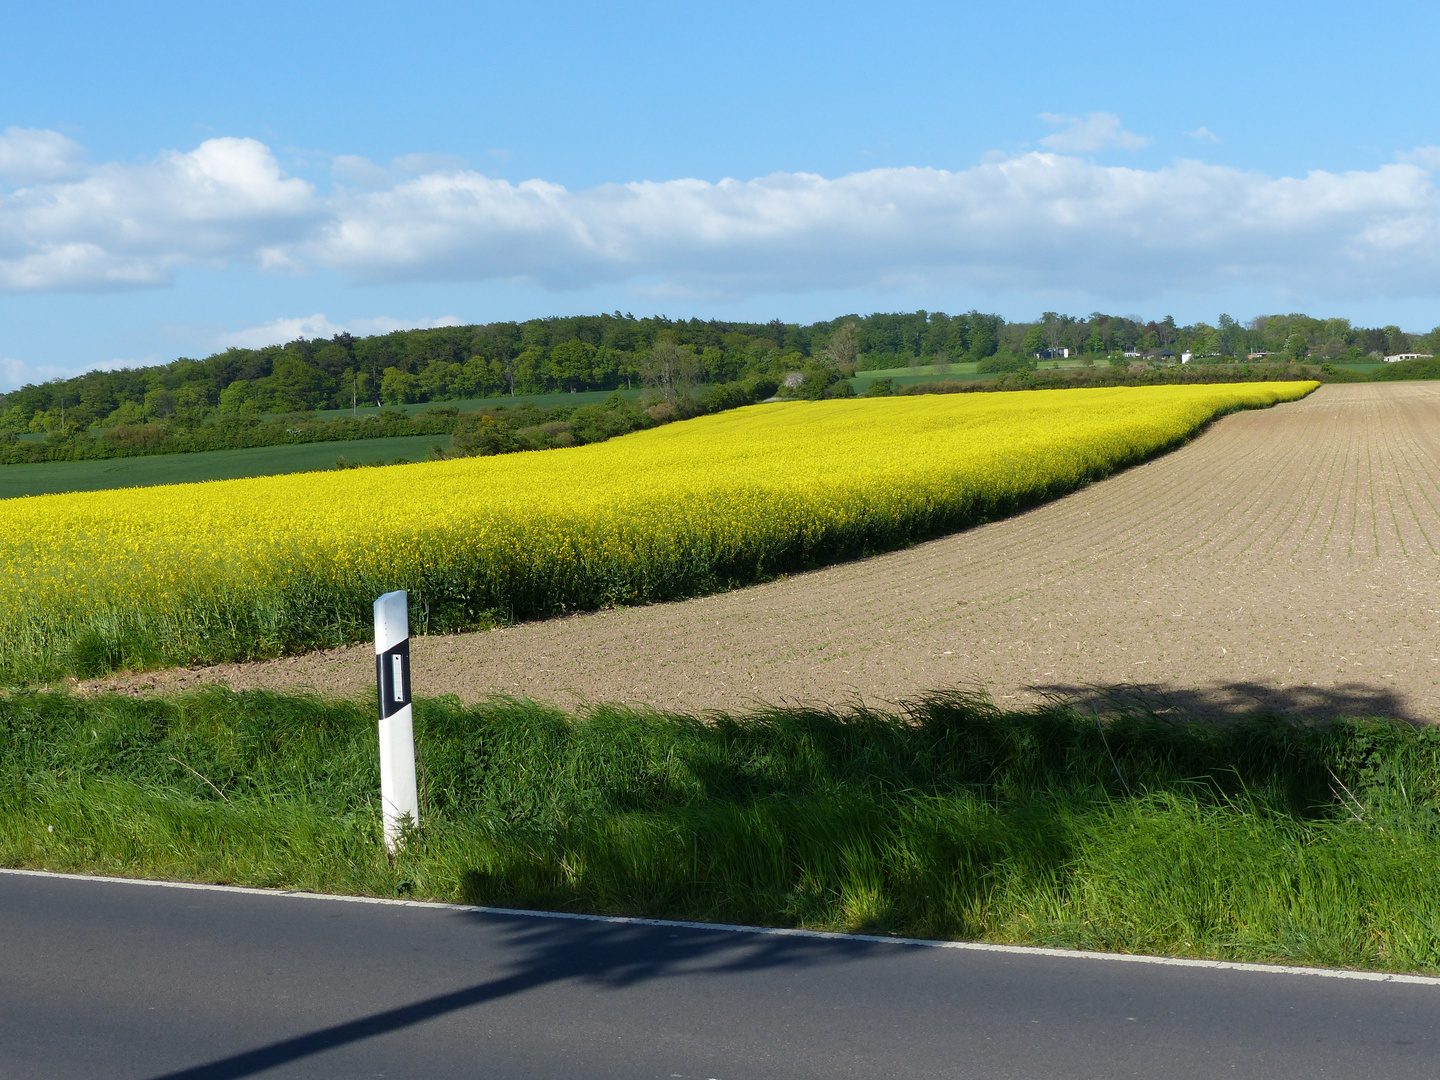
[[1289, 557]]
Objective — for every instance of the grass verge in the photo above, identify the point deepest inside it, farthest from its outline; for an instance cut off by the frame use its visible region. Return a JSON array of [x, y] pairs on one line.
[[1261, 840]]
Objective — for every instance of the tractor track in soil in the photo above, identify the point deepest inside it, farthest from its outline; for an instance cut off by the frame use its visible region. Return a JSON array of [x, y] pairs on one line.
[[1288, 559]]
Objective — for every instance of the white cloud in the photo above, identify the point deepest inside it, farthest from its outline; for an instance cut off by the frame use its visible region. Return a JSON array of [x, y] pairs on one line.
[[1427, 157], [28, 155], [131, 225], [360, 171], [279, 331], [363, 173], [419, 164], [1203, 134], [1038, 222], [16, 373], [1089, 133]]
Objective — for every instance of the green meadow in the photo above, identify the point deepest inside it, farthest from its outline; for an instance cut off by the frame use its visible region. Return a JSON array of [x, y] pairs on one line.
[[49, 478]]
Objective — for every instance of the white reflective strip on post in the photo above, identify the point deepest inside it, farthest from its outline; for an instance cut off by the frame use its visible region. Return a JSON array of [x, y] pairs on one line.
[[399, 797], [392, 621]]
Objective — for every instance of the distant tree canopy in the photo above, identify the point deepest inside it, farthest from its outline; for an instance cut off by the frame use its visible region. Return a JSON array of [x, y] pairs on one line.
[[605, 352]]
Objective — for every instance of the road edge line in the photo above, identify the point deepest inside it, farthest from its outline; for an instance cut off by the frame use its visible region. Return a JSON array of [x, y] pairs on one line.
[[774, 931]]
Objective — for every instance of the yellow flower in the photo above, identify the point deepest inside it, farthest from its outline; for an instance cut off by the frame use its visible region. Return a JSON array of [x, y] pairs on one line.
[[247, 567]]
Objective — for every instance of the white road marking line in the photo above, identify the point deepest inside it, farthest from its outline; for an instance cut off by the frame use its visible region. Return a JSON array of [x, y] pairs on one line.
[[824, 935]]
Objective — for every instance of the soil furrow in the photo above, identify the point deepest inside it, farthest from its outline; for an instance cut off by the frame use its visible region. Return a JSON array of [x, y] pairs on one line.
[[1285, 559]]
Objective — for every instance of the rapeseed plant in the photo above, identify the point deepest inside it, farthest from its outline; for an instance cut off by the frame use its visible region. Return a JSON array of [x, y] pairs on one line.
[[245, 568]]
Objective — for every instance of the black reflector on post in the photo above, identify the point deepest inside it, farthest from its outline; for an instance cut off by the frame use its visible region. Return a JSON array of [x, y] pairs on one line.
[[392, 678]]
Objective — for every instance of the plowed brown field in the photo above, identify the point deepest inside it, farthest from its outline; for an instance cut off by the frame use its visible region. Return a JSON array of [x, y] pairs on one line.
[[1287, 558]]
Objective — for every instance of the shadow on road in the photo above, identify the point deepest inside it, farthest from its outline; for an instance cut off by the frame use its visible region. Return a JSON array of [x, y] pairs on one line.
[[553, 950], [1236, 700]]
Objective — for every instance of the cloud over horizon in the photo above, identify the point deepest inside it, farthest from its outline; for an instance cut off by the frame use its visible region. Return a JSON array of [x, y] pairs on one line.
[[1046, 220], [280, 331]]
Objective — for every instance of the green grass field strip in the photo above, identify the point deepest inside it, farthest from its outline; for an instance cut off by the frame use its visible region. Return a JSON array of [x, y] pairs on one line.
[[1257, 841], [961, 371], [544, 401], [50, 478]]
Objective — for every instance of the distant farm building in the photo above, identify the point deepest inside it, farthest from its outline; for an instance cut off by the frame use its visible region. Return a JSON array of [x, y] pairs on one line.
[[1408, 356]]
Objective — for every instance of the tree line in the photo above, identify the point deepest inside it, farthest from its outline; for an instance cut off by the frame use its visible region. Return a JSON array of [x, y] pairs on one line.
[[239, 387], [495, 429]]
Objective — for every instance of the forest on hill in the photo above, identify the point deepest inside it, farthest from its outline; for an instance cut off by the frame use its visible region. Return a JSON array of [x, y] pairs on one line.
[[608, 352]]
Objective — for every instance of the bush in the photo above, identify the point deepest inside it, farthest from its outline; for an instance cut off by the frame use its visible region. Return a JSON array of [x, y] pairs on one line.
[[880, 388], [502, 429], [135, 436], [1004, 362], [761, 387], [1424, 368], [1331, 373], [479, 434], [722, 396]]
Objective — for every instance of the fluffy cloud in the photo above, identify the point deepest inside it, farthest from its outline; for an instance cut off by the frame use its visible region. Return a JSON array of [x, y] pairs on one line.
[[130, 225], [28, 155], [1040, 221], [1089, 133]]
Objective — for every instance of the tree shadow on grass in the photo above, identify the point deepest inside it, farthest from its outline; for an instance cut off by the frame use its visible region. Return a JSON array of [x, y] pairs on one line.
[[1236, 701], [551, 949]]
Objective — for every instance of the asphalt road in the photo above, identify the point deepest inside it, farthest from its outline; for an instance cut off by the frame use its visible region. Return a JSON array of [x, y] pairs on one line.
[[125, 980]]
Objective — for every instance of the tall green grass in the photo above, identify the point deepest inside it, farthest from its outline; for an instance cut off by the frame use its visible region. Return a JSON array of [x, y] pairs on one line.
[[1261, 840]]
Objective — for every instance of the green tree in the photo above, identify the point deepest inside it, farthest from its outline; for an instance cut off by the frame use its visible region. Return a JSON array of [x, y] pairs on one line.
[[660, 368], [159, 403], [1034, 341], [1202, 340], [570, 364], [528, 376], [191, 403], [982, 341], [437, 382], [297, 384], [397, 387], [843, 349]]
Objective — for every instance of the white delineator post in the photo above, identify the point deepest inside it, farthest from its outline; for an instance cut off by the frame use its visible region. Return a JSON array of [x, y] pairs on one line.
[[398, 796]]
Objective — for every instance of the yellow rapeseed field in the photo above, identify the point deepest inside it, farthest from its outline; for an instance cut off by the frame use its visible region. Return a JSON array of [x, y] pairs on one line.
[[254, 567]]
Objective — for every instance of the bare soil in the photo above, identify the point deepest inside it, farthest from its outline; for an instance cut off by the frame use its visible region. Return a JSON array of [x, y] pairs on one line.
[[1287, 559]]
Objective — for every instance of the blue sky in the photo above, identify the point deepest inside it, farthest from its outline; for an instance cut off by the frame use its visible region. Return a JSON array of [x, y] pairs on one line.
[[175, 178]]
